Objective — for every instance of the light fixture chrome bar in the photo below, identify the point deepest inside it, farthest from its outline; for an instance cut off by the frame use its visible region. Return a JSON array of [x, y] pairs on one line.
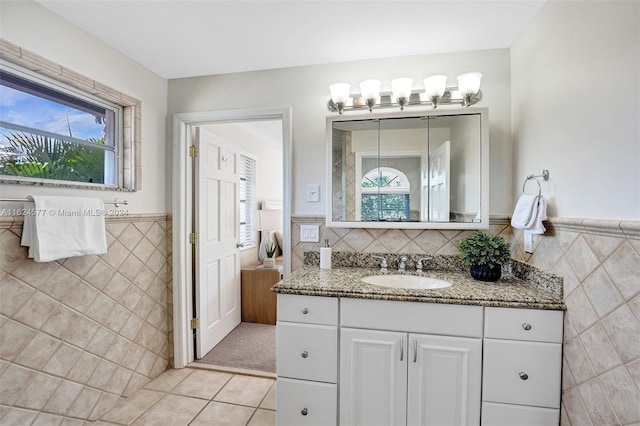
[[451, 96]]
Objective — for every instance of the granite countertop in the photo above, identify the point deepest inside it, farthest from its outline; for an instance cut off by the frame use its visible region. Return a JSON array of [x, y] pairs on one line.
[[509, 291]]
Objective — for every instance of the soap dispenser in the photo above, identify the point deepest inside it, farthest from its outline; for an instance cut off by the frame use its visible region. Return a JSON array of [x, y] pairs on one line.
[[325, 255]]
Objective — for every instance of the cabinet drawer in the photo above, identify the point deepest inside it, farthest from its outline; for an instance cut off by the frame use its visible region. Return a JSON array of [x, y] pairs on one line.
[[308, 309], [508, 415], [413, 317], [539, 363], [301, 403], [307, 351], [523, 324]]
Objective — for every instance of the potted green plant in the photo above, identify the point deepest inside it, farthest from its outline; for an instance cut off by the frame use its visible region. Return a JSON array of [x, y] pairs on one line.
[[485, 254], [269, 261]]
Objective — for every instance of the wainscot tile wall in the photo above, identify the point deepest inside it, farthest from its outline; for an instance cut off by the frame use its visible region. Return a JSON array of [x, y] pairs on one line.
[[600, 264], [78, 334]]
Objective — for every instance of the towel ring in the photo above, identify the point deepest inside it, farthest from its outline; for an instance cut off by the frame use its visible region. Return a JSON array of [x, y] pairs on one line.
[[531, 177], [544, 175]]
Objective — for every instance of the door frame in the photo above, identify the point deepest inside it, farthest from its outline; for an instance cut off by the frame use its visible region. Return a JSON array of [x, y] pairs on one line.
[[182, 203]]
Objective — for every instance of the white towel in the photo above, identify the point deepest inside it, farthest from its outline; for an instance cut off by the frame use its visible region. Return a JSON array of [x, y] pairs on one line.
[[540, 214], [64, 227], [529, 213], [525, 211]]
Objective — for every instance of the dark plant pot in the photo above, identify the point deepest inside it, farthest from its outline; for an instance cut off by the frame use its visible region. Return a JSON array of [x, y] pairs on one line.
[[486, 273]]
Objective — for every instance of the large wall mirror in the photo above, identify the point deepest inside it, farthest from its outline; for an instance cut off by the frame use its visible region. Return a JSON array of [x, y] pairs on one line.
[[409, 170]]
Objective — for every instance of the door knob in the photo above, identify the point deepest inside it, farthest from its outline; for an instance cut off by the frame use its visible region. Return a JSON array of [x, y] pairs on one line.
[[304, 412], [238, 245], [523, 376], [305, 354]]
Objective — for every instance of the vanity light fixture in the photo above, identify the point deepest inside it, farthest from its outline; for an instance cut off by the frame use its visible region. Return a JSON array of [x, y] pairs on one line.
[[370, 92], [401, 90], [435, 93], [340, 95], [434, 87], [468, 86]]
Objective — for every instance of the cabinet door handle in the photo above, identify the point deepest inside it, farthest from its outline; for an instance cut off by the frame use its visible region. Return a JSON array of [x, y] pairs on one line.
[[401, 349], [304, 412], [305, 354], [526, 326], [415, 350], [305, 311], [523, 375]]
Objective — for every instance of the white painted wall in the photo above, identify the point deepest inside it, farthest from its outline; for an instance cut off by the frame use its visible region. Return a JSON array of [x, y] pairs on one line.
[[306, 89], [34, 28], [576, 94]]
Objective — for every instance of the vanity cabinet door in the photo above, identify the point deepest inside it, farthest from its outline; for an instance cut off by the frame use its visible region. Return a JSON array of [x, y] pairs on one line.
[[373, 377], [445, 376]]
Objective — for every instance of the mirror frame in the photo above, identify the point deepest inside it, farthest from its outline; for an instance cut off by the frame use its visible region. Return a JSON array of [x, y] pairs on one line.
[[484, 173]]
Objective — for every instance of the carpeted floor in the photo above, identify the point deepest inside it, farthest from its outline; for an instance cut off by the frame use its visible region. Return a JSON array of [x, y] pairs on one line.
[[250, 346]]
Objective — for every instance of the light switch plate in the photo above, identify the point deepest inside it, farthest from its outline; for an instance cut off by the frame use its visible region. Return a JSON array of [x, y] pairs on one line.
[[310, 233], [313, 192]]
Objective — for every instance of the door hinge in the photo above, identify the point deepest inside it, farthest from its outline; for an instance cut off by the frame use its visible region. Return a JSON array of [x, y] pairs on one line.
[[193, 238], [194, 151], [195, 323]]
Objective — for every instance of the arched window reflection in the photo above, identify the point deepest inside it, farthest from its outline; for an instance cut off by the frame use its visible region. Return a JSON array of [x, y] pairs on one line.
[[385, 195]]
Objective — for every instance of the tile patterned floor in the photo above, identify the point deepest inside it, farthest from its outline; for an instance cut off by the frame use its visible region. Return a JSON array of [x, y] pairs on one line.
[[195, 397]]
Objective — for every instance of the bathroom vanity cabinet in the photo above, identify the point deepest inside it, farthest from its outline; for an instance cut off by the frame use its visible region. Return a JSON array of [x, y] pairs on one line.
[[522, 366], [423, 373], [357, 361], [307, 360]]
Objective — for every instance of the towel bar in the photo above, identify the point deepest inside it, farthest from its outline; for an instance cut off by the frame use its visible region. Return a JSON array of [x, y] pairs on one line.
[[544, 176], [116, 202]]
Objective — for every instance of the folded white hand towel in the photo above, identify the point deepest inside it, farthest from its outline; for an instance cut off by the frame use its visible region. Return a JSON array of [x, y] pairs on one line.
[[524, 214], [64, 227], [540, 214]]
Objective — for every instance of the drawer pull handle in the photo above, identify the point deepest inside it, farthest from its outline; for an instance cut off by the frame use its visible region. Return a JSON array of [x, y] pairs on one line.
[[523, 376], [305, 311], [305, 354], [304, 412], [526, 326]]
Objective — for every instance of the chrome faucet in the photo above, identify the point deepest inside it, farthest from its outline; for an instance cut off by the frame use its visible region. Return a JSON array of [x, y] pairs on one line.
[[419, 265], [383, 264], [402, 266]]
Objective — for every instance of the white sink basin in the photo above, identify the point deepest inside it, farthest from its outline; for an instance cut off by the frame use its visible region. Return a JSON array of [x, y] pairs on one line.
[[405, 281]]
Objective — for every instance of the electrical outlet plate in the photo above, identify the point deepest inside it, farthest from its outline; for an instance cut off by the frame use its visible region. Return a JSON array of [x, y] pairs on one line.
[[310, 233]]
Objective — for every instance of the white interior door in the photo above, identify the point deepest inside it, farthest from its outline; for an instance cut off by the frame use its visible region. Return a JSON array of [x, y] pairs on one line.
[[439, 182], [218, 226]]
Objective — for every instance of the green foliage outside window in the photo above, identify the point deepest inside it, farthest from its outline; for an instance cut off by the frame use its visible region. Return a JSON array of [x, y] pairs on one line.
[[36, 156]]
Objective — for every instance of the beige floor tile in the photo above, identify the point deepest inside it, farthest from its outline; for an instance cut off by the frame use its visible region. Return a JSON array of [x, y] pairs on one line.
[[168, 379], [202, 384], [172, 410], [128, 410], [263, 418], [221, 414], [269, 401], [244, 390]]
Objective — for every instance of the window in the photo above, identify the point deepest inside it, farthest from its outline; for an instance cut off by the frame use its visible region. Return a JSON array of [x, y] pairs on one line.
[[50, 132], [114, 116], [385, 195], [247, 200]]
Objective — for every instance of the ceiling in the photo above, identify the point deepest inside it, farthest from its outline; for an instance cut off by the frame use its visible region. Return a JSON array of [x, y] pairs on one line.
[[182, 38]]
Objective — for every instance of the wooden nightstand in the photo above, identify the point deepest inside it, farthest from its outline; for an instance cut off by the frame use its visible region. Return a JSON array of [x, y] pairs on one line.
[[258, 303]]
